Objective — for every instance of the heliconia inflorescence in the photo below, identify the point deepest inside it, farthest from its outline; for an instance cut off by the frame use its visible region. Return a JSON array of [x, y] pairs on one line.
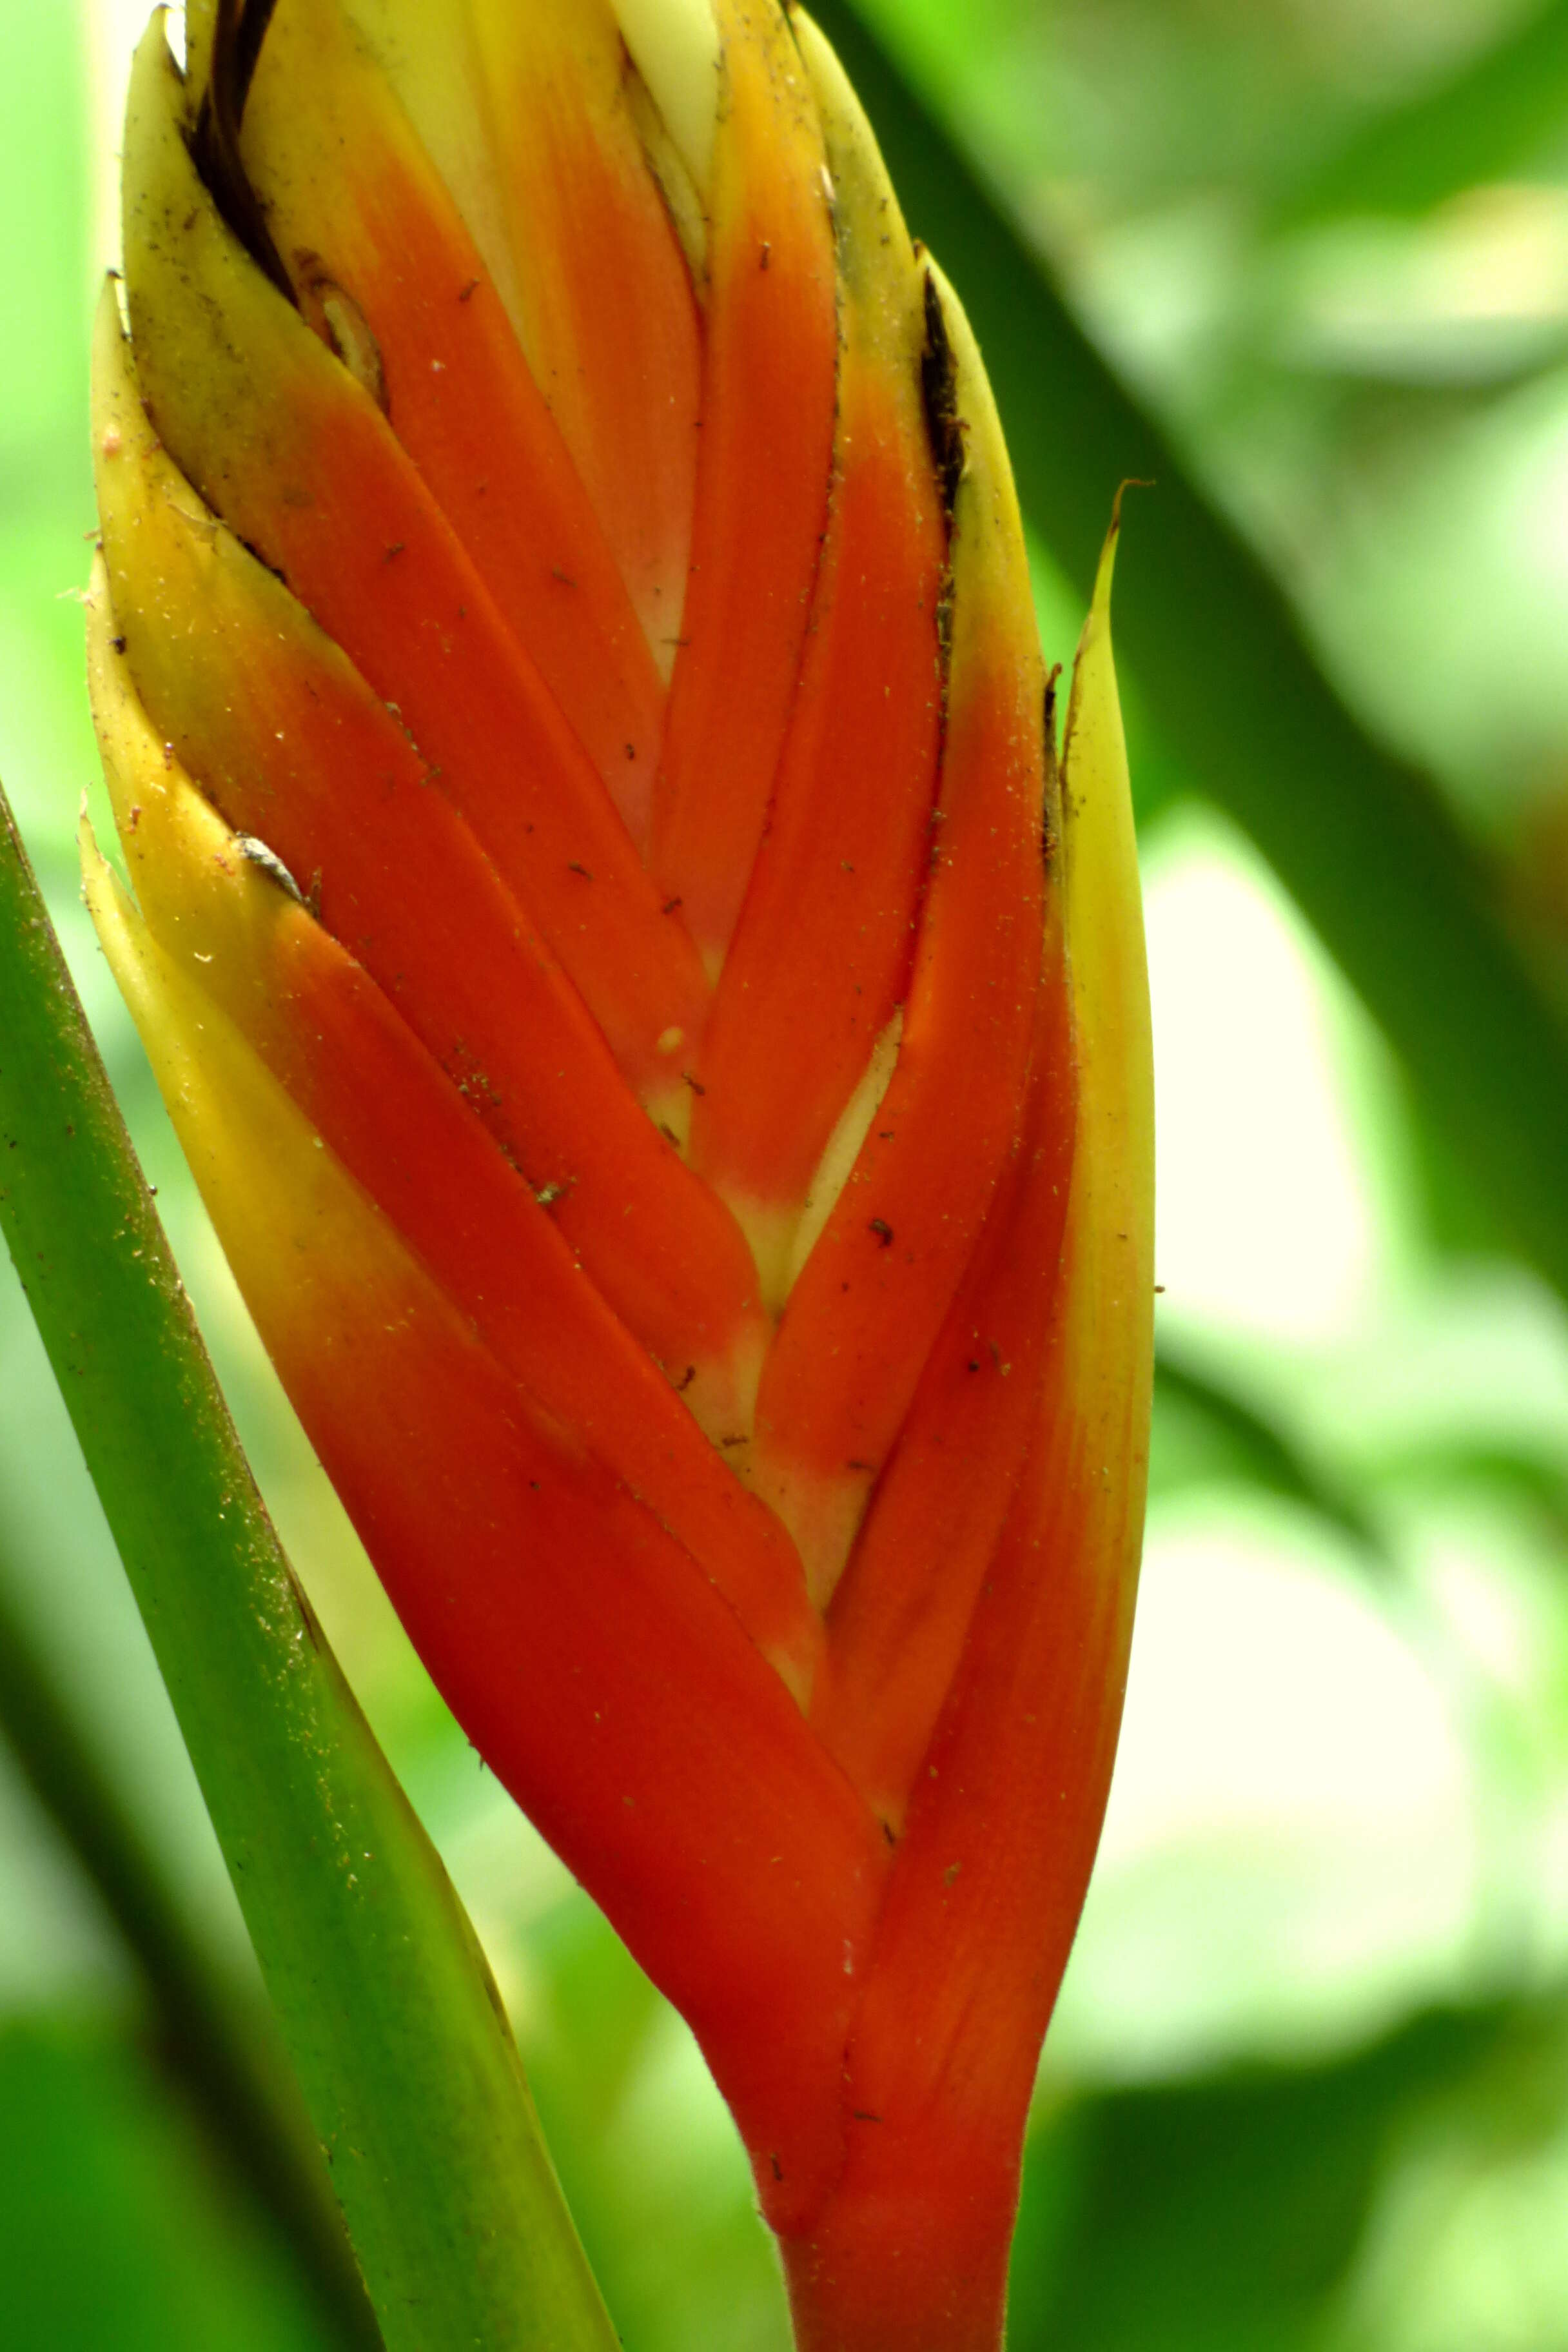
[[665, 1053]]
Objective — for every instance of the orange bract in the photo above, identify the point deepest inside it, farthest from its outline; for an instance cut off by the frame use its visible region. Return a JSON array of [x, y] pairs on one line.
[[668, 1067]]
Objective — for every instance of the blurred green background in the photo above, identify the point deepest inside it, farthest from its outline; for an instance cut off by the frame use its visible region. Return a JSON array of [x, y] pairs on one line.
[[1308, 2086]]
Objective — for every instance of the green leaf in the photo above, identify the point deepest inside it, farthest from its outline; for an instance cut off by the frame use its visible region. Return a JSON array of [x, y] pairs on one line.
[[115, 2234], [1237, 1438], [393, 2023], [1364, 845], [1227, 2213], [1474, 125], [207, 2035]]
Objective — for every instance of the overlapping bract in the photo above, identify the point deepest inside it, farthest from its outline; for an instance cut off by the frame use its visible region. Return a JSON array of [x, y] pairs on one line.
[[668, 1067]]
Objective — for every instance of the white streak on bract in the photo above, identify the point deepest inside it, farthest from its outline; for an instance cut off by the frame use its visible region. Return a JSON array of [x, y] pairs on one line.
[[843, 1145], [430, 55], [675, 47]]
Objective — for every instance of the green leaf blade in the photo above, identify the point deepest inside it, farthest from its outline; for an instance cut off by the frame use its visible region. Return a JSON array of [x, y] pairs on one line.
[[1476, 124]]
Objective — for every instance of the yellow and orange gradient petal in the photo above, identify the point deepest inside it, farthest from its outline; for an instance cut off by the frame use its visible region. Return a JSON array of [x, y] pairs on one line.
[[667, 1061]]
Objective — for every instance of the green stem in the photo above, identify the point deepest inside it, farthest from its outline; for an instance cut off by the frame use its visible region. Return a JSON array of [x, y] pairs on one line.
[[211, 2040], [1364, 845], [391, 2017]]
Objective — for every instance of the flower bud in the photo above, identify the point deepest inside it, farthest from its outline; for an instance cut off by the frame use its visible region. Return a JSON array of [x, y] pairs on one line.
[[666, 1056]]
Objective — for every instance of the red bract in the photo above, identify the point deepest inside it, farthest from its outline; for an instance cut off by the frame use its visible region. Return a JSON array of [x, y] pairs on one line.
[[667, 1063]]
